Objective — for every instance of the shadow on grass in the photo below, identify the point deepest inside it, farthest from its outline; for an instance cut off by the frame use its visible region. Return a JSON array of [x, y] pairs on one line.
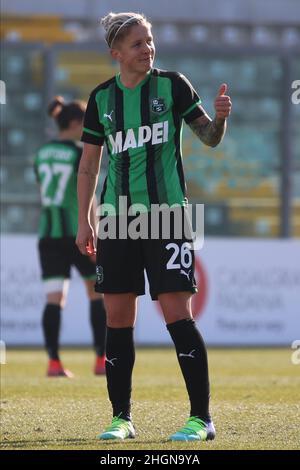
[[109, 444], [25, 443]]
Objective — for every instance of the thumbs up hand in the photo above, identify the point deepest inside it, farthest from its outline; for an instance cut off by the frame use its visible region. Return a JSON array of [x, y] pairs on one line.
[[222, 103]]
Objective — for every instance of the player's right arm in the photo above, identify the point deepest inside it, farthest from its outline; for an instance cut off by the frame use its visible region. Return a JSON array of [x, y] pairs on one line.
[[86, 185]]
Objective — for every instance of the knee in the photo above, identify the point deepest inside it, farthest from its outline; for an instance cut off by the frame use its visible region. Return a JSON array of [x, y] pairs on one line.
[[175, 306], [174, 316], [56, 298], [120, 310], [119, 323], [120, 319]]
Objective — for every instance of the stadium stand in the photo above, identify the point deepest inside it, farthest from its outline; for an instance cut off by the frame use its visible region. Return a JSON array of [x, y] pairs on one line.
[[241, 182]]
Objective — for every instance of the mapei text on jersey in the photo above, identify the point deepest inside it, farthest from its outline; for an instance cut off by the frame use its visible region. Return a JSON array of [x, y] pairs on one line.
[[156, 134]]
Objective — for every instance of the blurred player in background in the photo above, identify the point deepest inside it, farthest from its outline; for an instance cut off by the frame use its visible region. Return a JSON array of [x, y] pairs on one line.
[[56, 165], [139, 114]]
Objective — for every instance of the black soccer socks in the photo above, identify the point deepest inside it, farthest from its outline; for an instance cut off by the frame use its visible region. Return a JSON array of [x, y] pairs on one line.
[[51, 326], [98, 322], [120, 357], [192, 358]]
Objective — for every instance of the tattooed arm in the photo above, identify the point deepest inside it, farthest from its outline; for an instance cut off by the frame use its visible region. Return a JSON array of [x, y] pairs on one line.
[[211, 132]]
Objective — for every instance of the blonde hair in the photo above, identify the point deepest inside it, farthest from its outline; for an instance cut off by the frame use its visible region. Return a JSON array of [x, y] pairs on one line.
[[117, 25]]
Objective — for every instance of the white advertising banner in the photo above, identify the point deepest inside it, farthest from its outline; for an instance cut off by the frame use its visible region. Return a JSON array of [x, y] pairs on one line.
[[23, 298], [249, 294]]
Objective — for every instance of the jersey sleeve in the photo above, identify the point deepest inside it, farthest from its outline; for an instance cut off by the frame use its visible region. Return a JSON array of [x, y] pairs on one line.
[[93, 130], [187, 100]]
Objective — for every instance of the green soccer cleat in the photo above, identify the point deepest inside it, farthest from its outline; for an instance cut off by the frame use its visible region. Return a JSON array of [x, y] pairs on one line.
[[119, 429], [195, 429]]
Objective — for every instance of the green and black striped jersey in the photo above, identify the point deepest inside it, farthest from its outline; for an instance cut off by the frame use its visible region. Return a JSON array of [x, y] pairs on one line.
[[142, 129], [56, 166]]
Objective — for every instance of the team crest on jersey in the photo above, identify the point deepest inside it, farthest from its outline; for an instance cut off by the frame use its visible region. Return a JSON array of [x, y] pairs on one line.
[[158, 105], [99, 274]]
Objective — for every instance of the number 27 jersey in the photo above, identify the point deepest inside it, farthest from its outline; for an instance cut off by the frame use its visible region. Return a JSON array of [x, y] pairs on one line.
[[56, 166]]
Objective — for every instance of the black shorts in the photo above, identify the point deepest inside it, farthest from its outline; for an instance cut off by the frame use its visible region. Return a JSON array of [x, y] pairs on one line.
[[169, 264], [58, 255]]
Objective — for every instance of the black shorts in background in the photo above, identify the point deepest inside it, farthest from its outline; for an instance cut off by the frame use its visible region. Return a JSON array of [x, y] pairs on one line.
[[58, 255]]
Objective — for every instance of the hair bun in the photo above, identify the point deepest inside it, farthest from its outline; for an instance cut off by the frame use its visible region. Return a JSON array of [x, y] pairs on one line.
[[56, 106], [107, 20]]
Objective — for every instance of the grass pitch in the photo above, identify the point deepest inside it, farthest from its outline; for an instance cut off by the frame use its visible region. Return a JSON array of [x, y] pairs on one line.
[[255, 401]]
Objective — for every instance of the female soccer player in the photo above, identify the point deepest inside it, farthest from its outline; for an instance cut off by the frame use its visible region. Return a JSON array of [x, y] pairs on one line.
[[139, 114], [56, 165]]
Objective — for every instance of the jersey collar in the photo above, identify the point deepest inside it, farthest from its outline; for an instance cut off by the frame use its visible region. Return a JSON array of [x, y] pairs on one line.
[[124, 88]]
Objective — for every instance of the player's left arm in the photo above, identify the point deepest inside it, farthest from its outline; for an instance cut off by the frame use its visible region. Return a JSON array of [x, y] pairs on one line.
[[211, 131], [93, 215], [94, 223]]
